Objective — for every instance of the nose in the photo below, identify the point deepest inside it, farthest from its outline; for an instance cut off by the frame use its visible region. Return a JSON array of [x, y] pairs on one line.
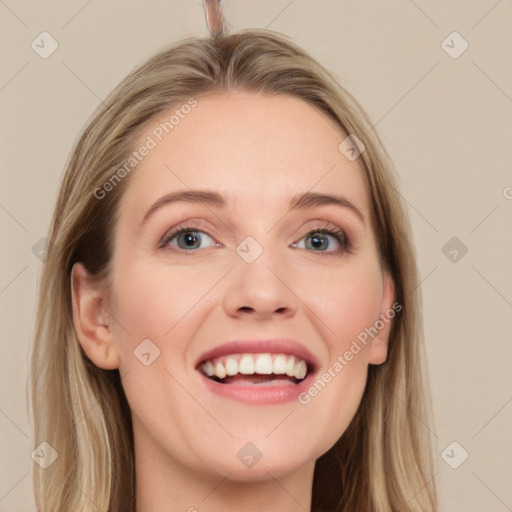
[[262, 289]]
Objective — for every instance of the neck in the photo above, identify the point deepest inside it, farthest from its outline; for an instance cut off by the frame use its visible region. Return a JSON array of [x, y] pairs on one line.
[[165, 485]]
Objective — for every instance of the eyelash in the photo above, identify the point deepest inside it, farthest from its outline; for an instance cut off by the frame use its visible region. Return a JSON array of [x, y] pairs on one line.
[[338, 233]]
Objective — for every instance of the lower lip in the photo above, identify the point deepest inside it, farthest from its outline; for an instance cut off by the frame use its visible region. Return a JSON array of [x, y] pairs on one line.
[[254, 394]]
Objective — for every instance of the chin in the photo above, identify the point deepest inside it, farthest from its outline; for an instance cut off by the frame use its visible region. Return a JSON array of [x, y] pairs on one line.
[[256, 461]]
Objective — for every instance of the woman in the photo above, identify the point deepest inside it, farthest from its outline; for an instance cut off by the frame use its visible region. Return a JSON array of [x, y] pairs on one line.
[[228, 315]]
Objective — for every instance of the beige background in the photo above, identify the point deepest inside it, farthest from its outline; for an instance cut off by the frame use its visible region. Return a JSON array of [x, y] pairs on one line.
[[446, 122]]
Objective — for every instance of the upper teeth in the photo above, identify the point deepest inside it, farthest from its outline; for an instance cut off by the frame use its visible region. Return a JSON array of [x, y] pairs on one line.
[[249, 364]]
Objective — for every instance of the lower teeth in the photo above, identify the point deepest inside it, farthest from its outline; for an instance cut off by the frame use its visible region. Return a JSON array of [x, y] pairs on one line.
[[260, 380], [266, 383]]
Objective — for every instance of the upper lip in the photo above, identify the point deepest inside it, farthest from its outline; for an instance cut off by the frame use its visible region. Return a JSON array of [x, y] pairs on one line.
[[261, 346]]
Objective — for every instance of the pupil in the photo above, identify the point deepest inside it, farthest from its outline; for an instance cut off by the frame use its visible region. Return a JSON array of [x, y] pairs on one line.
[[317, 240], [190, 239]]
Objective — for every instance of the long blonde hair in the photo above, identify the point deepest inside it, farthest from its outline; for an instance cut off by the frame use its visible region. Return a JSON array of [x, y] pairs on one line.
[[384, 461]]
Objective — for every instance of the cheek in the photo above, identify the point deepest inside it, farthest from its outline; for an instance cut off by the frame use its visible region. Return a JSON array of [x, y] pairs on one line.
[[164, 305], [161, 303], [152, 299], [352, 305], [347, 301]]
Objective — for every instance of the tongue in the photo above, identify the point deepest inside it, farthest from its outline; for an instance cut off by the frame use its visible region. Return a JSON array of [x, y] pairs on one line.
[[241, 379]]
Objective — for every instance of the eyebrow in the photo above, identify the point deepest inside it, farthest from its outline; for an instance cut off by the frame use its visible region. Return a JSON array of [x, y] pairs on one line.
[[304, 201]]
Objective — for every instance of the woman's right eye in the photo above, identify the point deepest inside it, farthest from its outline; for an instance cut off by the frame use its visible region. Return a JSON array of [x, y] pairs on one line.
[[186, 239]]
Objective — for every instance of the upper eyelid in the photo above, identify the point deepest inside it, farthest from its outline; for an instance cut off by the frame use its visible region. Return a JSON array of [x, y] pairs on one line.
[[202, 226], [341, 220], [189, 225]]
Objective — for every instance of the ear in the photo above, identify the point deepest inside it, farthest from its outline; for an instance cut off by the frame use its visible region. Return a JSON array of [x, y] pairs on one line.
[[91, 319], [379, 346]]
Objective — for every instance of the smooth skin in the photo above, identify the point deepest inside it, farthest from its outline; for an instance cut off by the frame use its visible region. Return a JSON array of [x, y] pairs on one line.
[[258, 152]]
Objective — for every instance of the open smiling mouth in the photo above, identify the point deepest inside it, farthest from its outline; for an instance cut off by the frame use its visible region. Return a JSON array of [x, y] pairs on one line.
[[256, 369]]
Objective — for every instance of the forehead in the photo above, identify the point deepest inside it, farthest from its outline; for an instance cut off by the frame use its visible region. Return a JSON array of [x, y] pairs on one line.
[[256, 150]]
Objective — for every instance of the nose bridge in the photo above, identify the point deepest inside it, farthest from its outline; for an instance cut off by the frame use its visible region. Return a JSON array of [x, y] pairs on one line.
[[258, 282]]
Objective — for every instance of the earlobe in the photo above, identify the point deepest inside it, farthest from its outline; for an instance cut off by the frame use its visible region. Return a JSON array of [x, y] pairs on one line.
[[91, 319], [379, 347]]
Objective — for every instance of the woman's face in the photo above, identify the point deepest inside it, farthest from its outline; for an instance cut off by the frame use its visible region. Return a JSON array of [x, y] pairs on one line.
[[249, 285]]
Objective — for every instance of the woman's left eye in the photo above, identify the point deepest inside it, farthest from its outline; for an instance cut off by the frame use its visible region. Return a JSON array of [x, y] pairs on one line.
[[319, 240]]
